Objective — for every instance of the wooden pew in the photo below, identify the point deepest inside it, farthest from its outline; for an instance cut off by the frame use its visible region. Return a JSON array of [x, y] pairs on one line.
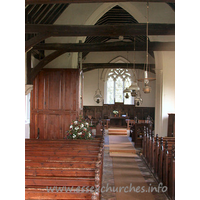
[[169, 171], [171, 141], [153, 147], [159, 155], [172, 176], [63, 163]]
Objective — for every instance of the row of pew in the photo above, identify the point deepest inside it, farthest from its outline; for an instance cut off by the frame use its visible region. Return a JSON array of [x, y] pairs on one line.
[[63, 169], [159, 155]]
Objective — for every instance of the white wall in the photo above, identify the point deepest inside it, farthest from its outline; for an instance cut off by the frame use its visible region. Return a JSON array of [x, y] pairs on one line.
[[90, 86], [148, 99], [168, 105], [165, 90]]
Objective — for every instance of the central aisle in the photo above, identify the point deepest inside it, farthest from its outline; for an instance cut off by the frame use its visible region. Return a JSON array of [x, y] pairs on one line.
[[127, 174]]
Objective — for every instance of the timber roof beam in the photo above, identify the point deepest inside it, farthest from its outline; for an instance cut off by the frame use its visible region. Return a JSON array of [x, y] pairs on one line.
[[107, 46], [90, 1], [101, 30]]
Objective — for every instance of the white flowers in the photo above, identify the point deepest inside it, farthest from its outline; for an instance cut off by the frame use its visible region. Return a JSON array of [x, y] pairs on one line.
[[80, 133], [79, 129]]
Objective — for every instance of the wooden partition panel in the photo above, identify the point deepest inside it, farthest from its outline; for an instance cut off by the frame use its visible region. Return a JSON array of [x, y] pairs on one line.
[[55, 101], [106, 111]]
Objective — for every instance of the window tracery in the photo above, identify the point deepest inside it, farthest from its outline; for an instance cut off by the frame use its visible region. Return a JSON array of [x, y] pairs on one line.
[[117, 80]]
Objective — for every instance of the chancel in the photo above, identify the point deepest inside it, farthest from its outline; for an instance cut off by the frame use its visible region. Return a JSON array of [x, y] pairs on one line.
[[100, 99]]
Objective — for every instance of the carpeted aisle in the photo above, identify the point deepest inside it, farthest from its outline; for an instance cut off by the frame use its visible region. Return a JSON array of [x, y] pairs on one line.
[[127, 175]]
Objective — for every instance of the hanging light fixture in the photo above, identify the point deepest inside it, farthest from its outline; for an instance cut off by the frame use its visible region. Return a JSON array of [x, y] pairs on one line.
[[98, 97], [138, 99], [127, 91], [147, 88], [146, 79], [133, 88]]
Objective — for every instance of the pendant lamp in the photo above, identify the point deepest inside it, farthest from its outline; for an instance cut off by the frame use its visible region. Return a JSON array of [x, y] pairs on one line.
[[138, 99], [146, 79], [133, 88], [97, 96]]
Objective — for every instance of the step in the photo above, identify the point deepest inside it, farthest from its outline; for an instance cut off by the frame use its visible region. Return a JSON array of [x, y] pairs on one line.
[[113, 131], [117, 131], [122, 150]]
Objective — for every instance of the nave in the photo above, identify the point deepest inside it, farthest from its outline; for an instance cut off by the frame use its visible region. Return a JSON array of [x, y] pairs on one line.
[[111, 162]]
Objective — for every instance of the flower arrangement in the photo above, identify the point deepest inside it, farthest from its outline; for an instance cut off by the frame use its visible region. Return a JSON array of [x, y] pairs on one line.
[[115, 112], [79, 129]]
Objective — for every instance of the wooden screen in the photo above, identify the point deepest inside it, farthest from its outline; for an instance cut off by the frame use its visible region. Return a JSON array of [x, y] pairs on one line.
[[55, 102]]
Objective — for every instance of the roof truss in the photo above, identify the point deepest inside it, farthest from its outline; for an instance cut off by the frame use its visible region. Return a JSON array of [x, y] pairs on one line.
[[90, 1], [108, 46]]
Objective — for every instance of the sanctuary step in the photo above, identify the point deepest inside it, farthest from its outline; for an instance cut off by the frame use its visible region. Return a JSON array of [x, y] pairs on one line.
[[113, 131]]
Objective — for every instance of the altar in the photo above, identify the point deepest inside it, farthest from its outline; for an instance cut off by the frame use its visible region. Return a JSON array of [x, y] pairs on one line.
[[118, 121]]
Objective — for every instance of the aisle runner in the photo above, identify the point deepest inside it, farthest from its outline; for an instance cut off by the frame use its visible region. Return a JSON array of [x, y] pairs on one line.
[[121, 146], [126, 171]]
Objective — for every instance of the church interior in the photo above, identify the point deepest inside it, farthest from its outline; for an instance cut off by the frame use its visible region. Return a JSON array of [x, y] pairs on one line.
[[100, 101]]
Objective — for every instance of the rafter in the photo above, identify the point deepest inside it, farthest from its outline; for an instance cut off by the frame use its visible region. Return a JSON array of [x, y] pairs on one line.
[[108, 46], [45, 31], [101, 30], [35, 40], [90, 1]]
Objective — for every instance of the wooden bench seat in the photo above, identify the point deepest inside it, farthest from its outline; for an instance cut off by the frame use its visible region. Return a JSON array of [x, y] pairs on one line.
[[61, 158], [76, 172], [62, 153], [62, 141], [64, 148], [59, 181], [70, 164], [43, 194], [63, 163]]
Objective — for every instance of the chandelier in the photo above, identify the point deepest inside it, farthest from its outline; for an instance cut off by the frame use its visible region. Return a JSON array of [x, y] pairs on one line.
[[97, 96]]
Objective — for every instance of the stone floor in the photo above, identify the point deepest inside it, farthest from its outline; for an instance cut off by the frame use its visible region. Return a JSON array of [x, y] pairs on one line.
[[108, 177]]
